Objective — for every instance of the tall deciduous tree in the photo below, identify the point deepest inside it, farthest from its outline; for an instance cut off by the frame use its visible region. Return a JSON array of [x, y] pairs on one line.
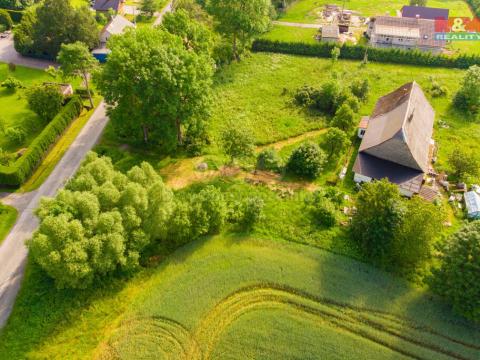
[[155, 86], [148, 6], [241, 20], [468, 97], [195, 35], [238, 142], [76, 60], [53, 23], [457, 278], [335, 142], [378, 218]]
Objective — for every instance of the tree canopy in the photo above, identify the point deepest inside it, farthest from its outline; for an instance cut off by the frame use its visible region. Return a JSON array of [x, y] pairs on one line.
[[52, 23], [155, 86], [100, 223], [457, 277], [240, 20]]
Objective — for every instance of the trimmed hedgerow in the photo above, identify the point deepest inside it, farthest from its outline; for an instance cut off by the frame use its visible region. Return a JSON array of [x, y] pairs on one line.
[[19, 171], [357, 52]]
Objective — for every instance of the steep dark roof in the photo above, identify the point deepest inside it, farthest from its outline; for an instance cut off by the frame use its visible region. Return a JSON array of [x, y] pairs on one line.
[[105, 5], [425, 12], [401, 127], [375, 168], [396, 144]]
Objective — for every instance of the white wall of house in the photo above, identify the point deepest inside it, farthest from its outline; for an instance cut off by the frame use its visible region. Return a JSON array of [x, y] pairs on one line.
[[359, 178], [104, 36]]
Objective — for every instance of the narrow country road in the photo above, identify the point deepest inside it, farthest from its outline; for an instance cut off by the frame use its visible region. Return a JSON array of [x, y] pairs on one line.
[[13, 253]]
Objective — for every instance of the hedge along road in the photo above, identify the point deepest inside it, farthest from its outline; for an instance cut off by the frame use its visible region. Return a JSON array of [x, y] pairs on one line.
[[13, 252]]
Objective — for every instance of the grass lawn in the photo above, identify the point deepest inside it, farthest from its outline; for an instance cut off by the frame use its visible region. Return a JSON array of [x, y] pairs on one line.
[[234, 297], [14, 105], [307, 11], [292, 34], [8, 216]]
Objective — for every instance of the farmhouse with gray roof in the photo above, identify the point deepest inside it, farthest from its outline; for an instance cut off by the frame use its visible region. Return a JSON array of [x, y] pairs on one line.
[[398, 141]]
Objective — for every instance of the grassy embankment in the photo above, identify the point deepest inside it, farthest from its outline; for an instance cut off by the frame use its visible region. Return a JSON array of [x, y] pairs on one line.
[[8, 216]]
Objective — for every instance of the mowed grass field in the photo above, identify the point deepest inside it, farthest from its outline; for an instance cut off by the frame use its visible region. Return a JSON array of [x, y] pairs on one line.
[[8, 216], [14, 111], [307, 11], [243, 298]]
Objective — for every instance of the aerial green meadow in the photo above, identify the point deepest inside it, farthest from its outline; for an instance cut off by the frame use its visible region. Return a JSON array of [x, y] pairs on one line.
[[232, 297]]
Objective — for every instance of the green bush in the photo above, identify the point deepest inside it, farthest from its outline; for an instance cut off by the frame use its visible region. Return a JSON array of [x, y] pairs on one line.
[[17, 173], [322, 209], [307, 161], [45, 101], [457, 279], [269, 160], [357, 52], [5, 19], [15, 135], [12, 83], [250, 213]]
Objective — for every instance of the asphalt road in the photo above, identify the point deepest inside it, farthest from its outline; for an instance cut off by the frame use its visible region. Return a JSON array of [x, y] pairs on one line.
[[13, 253], [9, 54]]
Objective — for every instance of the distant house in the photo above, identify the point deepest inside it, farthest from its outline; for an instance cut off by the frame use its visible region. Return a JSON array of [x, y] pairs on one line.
[[422, 12], [330, 33], [397, 143], [472, 201], [116, 26], [107, 5], [404, 33]]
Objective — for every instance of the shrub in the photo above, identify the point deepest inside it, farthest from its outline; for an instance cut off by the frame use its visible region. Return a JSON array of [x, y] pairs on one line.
[[17, 173], [196, 137], [238, 142], [307, 161], [5, 157], [269, 160], [305, 95], [208, 212], [5, 19], [46, 101], [360, 89], [437, 89], [335, 142], [12, 84], [328, 99], [250, 213], [15, 135], [457, 278], [344, 118], [12, 67], [322, 209], [468, 96], [464, 163]]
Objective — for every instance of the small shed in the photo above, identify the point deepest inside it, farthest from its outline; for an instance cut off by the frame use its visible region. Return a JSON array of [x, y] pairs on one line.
[[330, 33], [472, 202], [362, 127]]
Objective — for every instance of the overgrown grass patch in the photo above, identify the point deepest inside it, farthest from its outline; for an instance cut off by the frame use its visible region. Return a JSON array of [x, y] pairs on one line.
[[8, 216]]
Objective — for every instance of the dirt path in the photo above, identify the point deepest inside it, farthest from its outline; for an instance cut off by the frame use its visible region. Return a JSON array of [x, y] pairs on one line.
[[184, 172]]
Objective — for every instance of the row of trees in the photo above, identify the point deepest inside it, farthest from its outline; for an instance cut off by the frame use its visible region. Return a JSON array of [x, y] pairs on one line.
[[104, 220]]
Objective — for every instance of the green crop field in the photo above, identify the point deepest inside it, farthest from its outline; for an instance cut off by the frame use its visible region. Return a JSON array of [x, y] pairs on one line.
[[242, 298], [14, 105], [306, 11]]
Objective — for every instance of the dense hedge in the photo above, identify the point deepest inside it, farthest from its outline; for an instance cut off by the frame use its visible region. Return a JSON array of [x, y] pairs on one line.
[[357, 52], [16, 15], [17, 173]]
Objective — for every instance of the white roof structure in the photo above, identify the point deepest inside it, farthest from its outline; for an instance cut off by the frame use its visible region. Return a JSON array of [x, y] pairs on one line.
[[406, 32], [116, 26], [472, 200]]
